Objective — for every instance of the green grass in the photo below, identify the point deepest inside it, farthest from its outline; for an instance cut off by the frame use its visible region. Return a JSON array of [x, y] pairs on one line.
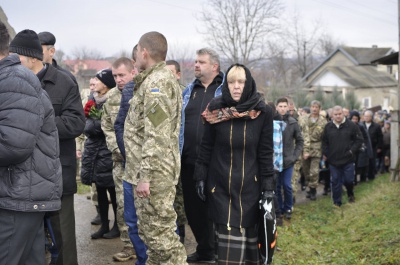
[[366, 232], [83, 189]]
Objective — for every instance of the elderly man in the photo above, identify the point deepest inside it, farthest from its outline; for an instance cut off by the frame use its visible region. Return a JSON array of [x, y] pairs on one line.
[[66, 100], [30, 169], [376, 136], [341, 141]]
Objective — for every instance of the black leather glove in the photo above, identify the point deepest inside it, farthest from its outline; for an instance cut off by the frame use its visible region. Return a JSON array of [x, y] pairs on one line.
[[267, 204], [200, 190]]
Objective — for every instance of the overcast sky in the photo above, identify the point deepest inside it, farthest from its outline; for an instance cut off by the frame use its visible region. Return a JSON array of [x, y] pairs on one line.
[[113, 26]]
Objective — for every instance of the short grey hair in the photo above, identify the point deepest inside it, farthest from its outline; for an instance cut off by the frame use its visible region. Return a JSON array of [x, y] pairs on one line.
[[370, 112], [214, 57], [316, 102], [336, 108]]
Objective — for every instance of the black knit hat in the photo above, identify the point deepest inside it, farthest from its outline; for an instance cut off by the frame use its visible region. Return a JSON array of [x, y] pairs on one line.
[[106, 77], [27, 43], [46, 38]]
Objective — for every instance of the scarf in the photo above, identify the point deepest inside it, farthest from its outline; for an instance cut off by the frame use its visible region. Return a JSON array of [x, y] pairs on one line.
[[224, 107]]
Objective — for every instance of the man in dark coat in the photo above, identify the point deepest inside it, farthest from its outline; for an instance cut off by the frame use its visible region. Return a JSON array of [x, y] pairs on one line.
[[376, 136], [48, 40], [196, 96], [341, 141], [69, 117], [30, 169]]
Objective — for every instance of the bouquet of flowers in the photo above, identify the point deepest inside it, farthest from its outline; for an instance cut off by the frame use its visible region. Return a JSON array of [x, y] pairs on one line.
[[91, 110]]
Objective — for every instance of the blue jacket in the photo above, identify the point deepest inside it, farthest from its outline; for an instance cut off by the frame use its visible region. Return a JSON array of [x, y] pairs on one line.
[[127, 94], [185, 97]]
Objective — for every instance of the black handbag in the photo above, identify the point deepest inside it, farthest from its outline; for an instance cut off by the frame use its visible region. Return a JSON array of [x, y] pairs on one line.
[[267, 232]]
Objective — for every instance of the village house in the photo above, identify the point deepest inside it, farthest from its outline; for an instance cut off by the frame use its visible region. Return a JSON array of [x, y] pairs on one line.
[[351, 69]]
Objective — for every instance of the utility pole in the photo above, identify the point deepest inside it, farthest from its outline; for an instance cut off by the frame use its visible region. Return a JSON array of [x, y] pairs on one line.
[[394, 126]]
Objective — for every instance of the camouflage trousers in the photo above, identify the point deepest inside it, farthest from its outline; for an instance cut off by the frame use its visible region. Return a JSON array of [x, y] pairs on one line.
[[157, 226], [296, 176], [118, 173], [178, 204], [311, 171]]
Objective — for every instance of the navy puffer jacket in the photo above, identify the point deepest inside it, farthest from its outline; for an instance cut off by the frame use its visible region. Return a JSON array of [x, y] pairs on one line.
[[30, 169]]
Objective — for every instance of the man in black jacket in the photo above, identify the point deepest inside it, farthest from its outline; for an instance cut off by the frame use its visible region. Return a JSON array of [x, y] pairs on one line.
[[30, 169], [376, 136], [70, 120], [48, 40], [341, 141], [196, 97]]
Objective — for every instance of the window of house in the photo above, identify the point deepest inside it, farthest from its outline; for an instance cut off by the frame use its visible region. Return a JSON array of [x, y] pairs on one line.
[[366, 102], [385, 104], [390, 69]]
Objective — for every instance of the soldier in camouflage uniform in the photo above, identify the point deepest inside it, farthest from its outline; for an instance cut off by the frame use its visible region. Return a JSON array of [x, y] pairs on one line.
[[178, 203], [302, 121], [152, 151], [316, 124], [123, 72]]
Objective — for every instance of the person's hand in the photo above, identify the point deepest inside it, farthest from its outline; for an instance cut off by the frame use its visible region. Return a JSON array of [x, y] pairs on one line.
[[143, 189], [378, 150], [324, 158], [200, 190], [78, 154], [306, 156]]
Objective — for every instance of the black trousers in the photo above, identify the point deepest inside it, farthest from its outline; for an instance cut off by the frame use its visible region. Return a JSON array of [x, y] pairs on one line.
[[197, 214], [21, 238], [103, 203], [63, 224]]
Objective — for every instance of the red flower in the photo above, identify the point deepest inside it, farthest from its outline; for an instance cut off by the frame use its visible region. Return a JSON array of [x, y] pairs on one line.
[[88, 107]]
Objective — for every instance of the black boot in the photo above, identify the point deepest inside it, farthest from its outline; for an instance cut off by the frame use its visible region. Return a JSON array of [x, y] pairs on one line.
[[96, 220], [313, 194], [103, 230], [114, 232], [181, 232]]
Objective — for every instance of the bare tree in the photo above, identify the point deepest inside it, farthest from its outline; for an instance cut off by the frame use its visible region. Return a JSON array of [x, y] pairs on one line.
[[303, 44], [239, 29], [184, 54], [327, 44], [84, 53]]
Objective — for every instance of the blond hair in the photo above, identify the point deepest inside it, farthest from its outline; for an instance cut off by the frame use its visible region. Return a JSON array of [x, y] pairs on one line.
[[236, 73]]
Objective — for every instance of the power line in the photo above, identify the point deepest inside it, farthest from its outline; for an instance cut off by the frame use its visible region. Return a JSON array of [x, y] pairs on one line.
[[353, 11]]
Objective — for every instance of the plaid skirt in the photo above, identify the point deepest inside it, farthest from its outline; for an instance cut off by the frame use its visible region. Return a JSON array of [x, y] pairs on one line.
[[234, 247]]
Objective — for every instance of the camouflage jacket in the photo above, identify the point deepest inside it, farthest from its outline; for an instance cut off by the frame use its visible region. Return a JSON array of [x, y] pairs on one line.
[[110, 112], [152, 128], [316, 129], [302, 121]]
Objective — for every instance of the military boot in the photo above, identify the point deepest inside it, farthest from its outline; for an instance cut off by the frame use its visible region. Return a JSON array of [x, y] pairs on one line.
[[313, 194]]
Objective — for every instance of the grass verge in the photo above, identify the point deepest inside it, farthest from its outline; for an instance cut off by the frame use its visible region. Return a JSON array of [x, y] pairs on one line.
[[365, 232]]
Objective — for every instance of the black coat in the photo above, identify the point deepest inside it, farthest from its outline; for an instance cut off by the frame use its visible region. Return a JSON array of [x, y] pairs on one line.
[[365, 152], [340, 145], [235, 157], [375, 134], [66, 99], [97, 163]]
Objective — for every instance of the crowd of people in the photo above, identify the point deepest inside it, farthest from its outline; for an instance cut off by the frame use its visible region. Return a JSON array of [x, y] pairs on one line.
[[163, 154]]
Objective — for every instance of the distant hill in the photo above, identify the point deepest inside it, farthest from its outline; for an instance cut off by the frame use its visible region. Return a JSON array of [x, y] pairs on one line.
[[4, 19]]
